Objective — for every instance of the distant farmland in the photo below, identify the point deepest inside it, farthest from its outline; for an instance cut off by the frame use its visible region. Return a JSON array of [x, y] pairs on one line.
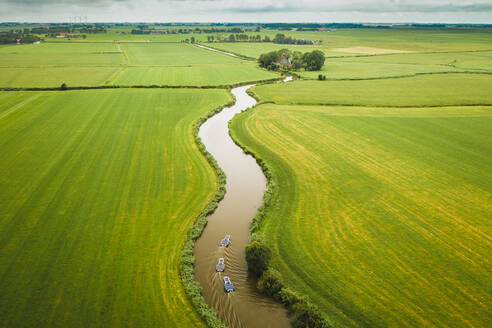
[[382, 203], [424, 90], [97, 192], [94, 64]]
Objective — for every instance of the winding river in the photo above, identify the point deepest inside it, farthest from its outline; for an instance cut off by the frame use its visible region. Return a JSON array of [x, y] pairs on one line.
[[245, 186]]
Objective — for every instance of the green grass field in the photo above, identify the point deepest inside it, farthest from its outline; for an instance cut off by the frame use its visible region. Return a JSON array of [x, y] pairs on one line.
[[60, 55], [425, 90], [334, 70], [55, 76], [403, 39], [97, 192], [173, 54], [382, 215], [200, 75], [93, 64], [391, 65]]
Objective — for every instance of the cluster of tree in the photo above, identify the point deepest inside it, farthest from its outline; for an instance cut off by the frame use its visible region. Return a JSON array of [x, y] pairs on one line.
[[242, 37], [92, 29], [12, 37], [295, 60], [282, 39], [74, 28], [134, 31], [304, 314]]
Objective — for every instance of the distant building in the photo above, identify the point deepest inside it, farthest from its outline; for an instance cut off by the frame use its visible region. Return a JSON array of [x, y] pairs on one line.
[[283, 61]]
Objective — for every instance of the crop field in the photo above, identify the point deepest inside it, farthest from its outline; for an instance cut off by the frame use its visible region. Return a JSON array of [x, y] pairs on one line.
[[172, 54], [200, 75], [382, 215], [60, 55], [55, 76], [425, 90], [183, 64], [406, 39], [404, 64], [339, 70], [97, 192], [383, 183], [93, 64], [367, 54]]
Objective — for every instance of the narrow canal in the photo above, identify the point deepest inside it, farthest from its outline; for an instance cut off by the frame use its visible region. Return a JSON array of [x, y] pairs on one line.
[[244, 307]]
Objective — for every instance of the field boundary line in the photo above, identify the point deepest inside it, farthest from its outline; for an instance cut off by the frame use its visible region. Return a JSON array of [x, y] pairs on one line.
[[19, 105], [152, 86], [408, 53], [374, 106], [406, 76]]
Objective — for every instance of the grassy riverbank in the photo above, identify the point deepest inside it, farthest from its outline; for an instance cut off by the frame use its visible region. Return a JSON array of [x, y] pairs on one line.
[[380, 215]]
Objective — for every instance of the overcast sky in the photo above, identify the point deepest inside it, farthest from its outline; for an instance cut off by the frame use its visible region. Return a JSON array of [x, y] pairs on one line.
[[446, 11]]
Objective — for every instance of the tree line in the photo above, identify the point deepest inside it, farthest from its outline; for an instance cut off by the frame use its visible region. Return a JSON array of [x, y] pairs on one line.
[[242, 37], [17, 36]]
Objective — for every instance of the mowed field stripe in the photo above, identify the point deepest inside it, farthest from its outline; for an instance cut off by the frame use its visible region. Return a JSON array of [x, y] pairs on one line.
[[19, 105], [381, 214], [95, 204]]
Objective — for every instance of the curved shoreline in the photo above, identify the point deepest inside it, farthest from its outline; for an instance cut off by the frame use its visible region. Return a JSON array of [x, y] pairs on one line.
[[187, 271], [246, 185]]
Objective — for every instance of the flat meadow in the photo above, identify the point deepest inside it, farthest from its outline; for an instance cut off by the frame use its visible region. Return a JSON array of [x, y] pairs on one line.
[[97, 192], [424, 90], [137, 63], [380, 215], [184, 64], [382, 173], [51, 64]]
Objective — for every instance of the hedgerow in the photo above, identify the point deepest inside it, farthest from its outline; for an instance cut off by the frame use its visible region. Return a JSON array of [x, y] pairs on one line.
[[192, 287]]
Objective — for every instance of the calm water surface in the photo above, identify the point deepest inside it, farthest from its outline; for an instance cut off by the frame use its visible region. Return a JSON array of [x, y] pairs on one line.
[[244, 307]]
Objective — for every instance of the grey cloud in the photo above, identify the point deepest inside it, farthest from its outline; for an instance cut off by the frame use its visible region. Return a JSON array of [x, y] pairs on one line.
[[249, 10], [366, 6]]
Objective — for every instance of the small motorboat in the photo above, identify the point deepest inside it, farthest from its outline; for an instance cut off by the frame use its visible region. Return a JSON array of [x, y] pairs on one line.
[[226, 241], [220, 266], [228, 285]]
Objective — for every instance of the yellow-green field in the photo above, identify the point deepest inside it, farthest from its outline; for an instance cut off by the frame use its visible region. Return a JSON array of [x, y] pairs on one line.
[[425, 90], [97, 192], [382, 215], [382, 205], [95, 64]]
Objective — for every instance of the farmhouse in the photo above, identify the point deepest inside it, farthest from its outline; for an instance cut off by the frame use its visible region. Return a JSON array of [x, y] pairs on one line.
[[283, 61]]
